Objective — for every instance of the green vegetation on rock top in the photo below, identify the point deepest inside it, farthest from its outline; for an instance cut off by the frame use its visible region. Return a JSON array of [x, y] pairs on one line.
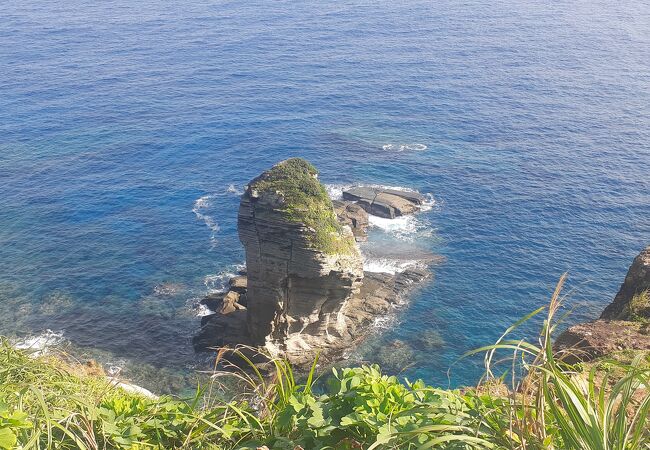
[[306, 202]]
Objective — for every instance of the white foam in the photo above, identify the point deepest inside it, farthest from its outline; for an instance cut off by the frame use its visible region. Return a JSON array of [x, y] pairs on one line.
[[428, 203], [335, 191], [399, 225], [218, 282], [387, 265], [404, 147], [203, 205], [132, 388], [382, 322], [202, 310], [114, 369], [200, 205], [232, 189], [40, 344]]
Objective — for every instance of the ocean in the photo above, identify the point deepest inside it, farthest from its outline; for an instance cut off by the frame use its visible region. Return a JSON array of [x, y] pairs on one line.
[[128, 130]]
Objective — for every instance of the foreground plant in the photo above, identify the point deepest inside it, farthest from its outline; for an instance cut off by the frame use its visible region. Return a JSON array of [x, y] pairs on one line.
[[46, 403], [561, 406]]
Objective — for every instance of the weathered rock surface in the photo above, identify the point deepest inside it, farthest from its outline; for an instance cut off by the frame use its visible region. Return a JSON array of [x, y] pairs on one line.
[[296, 289], [380, 293], [354, 216], [622, 326], [387, 203], [238, 283], [304, 291], [591, 340], [636, 284]]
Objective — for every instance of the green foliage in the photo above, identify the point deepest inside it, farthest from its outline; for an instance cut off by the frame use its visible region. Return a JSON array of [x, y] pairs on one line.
[[305, 201], [11, 422], [559, 406], [638, 309], [47, 404]]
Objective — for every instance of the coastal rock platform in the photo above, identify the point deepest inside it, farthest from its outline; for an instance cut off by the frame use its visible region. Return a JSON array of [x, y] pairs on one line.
[[378, 297]]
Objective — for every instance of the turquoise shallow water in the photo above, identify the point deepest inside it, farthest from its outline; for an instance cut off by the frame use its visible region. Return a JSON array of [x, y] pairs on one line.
[[127, 129]]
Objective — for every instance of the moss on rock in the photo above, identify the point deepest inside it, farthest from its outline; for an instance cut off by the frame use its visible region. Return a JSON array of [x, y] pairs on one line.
[[305, 201]]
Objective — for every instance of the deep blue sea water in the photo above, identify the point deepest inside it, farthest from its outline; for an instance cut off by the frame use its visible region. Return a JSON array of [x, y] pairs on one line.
[[127, 128]]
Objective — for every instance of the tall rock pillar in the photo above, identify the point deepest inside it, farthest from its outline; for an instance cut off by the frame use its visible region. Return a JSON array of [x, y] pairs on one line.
[[303, 266]]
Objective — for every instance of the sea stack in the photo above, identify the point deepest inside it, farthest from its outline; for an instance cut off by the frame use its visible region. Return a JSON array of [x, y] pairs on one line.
[[303, 265]]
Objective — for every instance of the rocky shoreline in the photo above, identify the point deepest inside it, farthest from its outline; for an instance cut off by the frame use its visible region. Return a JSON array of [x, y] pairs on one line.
[[623, 326], [304, 291]]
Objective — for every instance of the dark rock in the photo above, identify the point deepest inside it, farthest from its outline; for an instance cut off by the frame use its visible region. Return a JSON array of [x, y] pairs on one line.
[[239, 283], [633, 298], [354, 216], [411, 196], [387, 203], [220, 330], [213, 301]]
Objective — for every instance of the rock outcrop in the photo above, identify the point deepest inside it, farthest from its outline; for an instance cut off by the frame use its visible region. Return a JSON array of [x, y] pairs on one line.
[[387, 203], [624, 325], [591, 340], [304, 291], [633, 298], [354, 216], [303, 266]]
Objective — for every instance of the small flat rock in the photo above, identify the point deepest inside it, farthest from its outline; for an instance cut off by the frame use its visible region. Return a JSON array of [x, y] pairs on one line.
[[387, 203]]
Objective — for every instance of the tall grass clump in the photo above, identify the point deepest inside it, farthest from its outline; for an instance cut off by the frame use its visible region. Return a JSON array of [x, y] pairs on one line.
[[556, 405], [46, 403]]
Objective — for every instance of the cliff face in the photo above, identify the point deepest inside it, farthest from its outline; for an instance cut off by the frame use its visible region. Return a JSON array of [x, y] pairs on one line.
[[303, 266], [624, 324], [632, 298]]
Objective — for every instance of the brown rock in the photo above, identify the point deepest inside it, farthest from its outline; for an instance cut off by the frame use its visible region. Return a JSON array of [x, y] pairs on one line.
[[354, 216], [591, 340], [239, 283], [228, 303], [295, 290], [633, 298]]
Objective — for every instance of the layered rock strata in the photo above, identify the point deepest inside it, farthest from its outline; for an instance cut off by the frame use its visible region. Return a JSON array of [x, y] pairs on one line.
[[303, 267], [633, 298], [386, 203], [378, 297]]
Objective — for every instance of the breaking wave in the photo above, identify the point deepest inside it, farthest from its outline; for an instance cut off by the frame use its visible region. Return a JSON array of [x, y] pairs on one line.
[[392, 266], [204, 205], [404, 147], [199, 209], [40, 344]]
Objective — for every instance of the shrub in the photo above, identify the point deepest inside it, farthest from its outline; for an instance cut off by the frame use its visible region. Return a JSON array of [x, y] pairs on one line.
[[305, 201], [46, 403]]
